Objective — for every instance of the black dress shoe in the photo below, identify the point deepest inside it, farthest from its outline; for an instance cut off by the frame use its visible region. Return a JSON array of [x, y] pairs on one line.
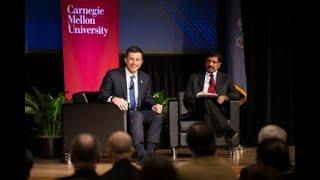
[[142, 159]]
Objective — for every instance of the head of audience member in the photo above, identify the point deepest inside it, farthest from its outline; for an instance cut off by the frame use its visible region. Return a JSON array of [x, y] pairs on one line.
[[158, 167], [133, 59], [201, 139], [120, 145], [274, 153], [213, 61], [28, 163], [272, 131], [84, 151]]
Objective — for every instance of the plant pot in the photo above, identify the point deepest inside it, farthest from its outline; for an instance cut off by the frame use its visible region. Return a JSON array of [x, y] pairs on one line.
[[48, 147]]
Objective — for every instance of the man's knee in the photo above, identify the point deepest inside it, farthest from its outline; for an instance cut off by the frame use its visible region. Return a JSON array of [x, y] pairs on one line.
[[158, 117], [136, 117], [208, 101]]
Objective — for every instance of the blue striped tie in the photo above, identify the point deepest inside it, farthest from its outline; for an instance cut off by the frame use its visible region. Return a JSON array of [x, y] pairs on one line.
[[132, 97]]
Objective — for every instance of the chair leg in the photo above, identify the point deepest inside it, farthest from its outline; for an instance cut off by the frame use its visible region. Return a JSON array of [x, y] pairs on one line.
[[229, 146], [174, 153], [67, 158]]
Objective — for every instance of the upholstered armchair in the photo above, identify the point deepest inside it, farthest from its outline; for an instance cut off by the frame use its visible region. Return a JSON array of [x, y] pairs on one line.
[[178, 124]]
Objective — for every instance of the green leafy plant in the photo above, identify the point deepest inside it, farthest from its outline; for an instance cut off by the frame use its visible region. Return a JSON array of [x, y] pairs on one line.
[[161, 98], [45, 111]]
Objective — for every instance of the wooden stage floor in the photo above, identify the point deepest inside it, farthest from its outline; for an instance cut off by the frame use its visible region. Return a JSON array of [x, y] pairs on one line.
[[51, 169]]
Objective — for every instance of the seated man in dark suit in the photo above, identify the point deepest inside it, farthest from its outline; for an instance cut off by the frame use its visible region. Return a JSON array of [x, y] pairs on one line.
[[120, 150], [84, 154], [211, 110], [128, 85]]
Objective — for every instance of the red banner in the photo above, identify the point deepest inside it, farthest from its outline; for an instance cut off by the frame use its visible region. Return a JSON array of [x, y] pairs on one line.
[[90, 31]]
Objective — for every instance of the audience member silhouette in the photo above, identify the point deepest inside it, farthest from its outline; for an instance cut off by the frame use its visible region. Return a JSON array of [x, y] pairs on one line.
[[278, 134], [158, 168], [84, 154], [273, 153], [120, 150], [205, 164]]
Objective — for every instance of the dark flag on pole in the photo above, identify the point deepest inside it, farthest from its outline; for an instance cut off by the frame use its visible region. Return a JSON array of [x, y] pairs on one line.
[[235, 48]]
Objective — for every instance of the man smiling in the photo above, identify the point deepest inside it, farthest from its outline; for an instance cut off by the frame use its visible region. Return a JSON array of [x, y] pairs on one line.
[[130, 90]]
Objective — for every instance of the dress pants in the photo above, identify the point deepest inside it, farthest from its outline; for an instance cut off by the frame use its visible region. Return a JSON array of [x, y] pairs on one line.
[[212, 114], [153, 121]]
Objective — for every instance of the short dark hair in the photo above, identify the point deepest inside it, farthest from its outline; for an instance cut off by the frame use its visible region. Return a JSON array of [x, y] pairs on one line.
[[214, 53], [158, 167], [201, 139], [274, 152], [84, 152], [133, 49]]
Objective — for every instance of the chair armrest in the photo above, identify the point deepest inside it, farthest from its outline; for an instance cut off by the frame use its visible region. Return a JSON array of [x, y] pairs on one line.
[[173, 123]]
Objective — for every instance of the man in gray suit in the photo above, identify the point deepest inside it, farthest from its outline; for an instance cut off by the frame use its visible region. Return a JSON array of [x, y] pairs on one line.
[[130, 90], [212, 110]]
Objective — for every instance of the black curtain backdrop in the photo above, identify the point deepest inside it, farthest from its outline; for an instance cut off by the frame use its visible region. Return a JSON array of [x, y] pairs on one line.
[[269, 50], [269, 37], [44, 70]]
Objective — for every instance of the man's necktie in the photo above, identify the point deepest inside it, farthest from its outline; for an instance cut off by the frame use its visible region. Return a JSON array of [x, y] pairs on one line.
[[132, 97], [212, 85]]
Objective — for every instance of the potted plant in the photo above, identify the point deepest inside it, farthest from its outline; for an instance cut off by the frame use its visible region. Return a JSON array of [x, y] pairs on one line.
[[161, 98], [45, 111]]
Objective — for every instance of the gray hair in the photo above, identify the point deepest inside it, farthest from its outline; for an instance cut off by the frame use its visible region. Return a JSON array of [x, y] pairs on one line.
[[272, 131], [84, 148], [120, 142]]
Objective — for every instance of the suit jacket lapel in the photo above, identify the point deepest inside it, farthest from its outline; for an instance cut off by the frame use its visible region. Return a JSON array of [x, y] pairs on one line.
[[123, 82], [201, 81], [140, 88]]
